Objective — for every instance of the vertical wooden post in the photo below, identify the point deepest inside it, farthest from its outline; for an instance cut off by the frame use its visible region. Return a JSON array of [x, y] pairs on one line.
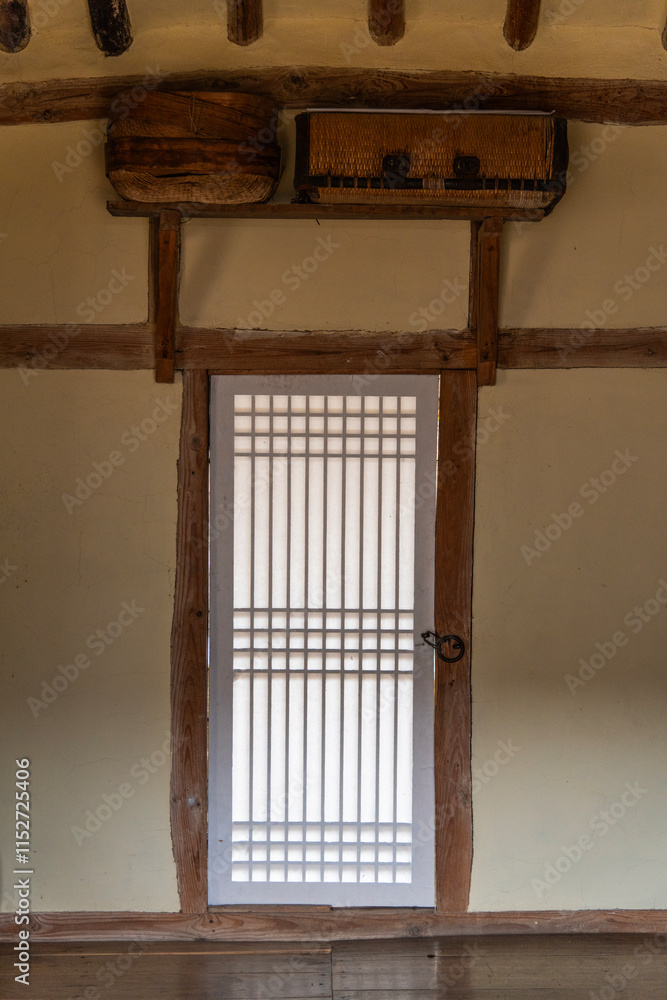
[[165, 250], [453, 616], [245, 21], [521, 22], [386, 21], [14, 25], [486, 291], [111, 26], [189, 806]]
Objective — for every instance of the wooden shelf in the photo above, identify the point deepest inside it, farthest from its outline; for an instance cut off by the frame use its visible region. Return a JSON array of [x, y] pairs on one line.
[[276, 210]]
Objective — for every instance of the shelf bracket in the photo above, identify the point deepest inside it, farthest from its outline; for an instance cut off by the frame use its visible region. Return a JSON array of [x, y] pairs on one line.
[[165, 239]]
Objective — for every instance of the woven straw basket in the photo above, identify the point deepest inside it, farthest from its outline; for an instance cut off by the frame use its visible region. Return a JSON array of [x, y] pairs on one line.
[[432, 159]]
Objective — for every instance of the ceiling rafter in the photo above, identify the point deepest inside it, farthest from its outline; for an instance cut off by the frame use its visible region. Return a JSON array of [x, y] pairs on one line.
[[14, 25], [521, 23], [245, 21], [386, 21], [110, 21]]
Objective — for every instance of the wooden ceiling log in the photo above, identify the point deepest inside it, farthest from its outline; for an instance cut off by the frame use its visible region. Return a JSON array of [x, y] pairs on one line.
[[110, 21], [521, 23], [14, 25], [626, 102], [245, 21], [386, 21]]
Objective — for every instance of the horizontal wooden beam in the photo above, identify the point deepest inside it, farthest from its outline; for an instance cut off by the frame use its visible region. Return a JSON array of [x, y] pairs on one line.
[[583, 348], [73, 345], [294, 923], [627, 102], [132, 346], [286, 210], [234, 352], [521, 22]]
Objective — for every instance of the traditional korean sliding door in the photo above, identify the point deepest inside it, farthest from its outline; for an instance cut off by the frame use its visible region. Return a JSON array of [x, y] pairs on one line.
[[321, 689]]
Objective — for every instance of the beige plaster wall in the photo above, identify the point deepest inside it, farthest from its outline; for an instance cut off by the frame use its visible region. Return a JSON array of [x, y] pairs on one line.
[[74, 566], [556, 740], [533, 623]]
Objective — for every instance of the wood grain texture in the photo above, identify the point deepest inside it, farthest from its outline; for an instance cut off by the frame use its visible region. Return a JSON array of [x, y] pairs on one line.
[[295, 923], [386, 21], [132, 346], [582, 348], [487, 292], [76, 345], [521, 21], [281, 210], [278, 352], [629, 102], [188, 652], [110, 21], [165, 282], [453, 616], [502, 967], [14, 25], [244, 21]]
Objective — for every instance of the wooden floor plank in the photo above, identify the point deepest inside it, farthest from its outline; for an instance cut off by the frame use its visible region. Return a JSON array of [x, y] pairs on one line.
[[540, 967]]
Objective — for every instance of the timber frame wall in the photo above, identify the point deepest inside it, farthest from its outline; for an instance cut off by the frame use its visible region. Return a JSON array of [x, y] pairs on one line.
[[464, 359]]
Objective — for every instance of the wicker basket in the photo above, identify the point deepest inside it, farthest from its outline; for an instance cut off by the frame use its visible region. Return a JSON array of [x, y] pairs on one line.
[[500, 161], [195, 147]]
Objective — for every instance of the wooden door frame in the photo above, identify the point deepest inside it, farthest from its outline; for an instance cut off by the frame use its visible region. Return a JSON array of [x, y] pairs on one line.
[[453, 614]]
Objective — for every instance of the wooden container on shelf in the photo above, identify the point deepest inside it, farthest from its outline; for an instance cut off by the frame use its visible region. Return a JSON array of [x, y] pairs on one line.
[[474, 159], [215, 148]]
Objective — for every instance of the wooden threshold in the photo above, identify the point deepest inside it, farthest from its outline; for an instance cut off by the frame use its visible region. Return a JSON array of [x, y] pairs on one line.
[[626, 102], [288, 924], [287, 210]]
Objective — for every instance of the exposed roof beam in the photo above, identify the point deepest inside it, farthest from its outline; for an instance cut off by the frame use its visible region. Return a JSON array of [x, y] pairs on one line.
[[627, 102], [244, 21], [521, 22], [386, 21], [14, 25], [111, 26]]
